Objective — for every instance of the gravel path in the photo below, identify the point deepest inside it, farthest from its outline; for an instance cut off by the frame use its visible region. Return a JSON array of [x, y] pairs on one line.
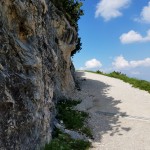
[[119, 113]]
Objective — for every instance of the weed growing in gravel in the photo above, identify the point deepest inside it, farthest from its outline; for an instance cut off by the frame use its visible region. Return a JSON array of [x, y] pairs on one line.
[[63, 141]]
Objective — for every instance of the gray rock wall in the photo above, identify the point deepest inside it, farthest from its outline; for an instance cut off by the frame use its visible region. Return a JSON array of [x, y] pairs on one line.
[[36, 41]]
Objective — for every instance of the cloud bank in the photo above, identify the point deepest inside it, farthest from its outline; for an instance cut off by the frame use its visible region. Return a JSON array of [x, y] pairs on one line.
[[133, 37], [109, 9], [121, 63]]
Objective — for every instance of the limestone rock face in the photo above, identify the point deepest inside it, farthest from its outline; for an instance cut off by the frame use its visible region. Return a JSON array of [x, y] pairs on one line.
[[36, 41]]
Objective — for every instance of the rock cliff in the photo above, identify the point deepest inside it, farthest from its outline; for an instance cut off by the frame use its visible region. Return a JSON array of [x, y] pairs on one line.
[[36, 41]]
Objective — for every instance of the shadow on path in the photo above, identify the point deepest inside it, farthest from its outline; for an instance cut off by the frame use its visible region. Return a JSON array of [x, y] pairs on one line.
[[104, 113]]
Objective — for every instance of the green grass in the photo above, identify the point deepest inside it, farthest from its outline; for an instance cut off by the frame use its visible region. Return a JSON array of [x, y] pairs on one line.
[[141, 84], [63, 141], [73, 119]]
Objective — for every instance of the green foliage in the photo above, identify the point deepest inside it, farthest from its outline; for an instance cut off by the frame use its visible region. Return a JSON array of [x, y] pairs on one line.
[[71, 9], [78, 47], [72, 119], [99, 72], [141, 84], [63, 141]]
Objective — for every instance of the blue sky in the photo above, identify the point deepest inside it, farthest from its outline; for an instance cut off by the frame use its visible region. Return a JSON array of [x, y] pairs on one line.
[[115, 36]]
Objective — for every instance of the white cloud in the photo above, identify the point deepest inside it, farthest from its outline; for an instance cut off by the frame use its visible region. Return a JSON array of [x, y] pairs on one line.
[[140, 63], [109, 9], [121, 63], [145, 14], [91, 64], [133, 36]]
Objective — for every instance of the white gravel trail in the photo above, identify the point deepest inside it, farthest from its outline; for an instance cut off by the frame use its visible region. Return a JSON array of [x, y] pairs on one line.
[[119, 113]]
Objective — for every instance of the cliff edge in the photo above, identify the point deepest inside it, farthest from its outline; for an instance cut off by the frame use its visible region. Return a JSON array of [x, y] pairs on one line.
[[36, 42]]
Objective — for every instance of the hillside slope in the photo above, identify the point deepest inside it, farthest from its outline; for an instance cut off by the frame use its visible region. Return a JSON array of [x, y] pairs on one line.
[[119, 113]]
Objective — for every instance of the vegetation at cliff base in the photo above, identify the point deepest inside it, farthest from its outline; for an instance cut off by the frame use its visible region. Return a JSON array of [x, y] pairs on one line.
[[63, 141], [73, 119], [141, 84]]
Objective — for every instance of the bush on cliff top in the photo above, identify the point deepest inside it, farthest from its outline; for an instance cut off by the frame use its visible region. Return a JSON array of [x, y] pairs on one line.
[[72, 11]]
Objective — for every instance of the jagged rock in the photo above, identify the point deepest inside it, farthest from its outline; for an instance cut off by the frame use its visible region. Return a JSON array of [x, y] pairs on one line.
[[36, 41]]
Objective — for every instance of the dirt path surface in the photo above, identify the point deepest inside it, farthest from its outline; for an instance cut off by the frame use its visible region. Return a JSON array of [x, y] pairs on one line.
[[119, 113]]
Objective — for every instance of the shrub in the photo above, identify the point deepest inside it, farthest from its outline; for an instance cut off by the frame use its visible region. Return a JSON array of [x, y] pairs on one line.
[[63, 141], [73, 119], [71, 9]]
